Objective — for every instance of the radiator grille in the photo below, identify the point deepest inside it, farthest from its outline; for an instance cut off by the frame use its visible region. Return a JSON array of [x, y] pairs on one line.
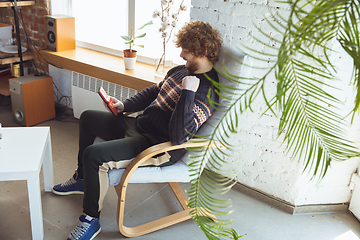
[[85, 93], [92, 84]]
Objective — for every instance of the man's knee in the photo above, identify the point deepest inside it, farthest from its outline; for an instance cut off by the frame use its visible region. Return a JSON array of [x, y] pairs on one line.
[[86, 115], [93, 156]]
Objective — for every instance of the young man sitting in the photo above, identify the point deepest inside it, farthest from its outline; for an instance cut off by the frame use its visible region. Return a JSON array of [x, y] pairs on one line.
[[173, 109]]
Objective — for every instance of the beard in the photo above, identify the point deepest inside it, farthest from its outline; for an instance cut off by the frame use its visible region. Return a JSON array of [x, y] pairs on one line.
[[192, 66]]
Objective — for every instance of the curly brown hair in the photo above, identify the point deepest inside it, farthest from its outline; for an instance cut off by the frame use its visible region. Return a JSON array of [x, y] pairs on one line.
[[200, 39]]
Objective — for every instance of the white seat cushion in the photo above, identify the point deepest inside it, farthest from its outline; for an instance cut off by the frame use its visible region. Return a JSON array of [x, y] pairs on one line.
[[178, 172]]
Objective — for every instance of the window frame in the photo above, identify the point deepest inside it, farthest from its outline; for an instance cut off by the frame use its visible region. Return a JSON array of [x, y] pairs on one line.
[[65, 7]]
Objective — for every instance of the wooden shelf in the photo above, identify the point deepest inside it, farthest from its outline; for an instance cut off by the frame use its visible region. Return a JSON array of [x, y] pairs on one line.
[[19, 4], [4, 81], [26, 56]]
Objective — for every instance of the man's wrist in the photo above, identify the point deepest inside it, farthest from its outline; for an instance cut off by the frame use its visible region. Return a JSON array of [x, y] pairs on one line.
[[120, 106], [188, 88]]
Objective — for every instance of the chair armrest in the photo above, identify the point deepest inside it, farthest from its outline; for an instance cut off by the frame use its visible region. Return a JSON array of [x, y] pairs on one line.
[[168, 146]]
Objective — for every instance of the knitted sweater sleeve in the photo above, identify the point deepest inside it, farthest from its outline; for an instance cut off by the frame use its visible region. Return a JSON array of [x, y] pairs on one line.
[[191, 111], [142, 99]]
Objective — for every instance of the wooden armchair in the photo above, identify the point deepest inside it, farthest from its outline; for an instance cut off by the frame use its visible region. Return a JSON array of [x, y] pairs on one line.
[[179, 171]]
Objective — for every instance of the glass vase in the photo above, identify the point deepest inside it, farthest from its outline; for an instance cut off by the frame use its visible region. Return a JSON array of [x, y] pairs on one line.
[[160, 70]]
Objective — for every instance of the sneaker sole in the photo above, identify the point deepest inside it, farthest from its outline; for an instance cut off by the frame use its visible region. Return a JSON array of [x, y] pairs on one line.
[[95, 234], [66, 193]]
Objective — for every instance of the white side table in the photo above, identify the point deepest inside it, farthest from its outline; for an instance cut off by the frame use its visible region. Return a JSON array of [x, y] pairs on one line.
[[23, 151]]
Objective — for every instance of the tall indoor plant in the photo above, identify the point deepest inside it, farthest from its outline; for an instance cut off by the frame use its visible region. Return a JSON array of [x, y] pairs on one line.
[[130, 53], [299, 58]]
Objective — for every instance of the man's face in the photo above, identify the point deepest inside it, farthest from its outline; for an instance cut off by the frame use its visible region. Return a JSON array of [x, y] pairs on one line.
[[191, 61]]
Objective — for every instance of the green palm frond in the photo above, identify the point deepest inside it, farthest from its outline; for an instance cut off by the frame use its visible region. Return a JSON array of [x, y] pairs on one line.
[[309, 121], [212, 174], [348, 37]]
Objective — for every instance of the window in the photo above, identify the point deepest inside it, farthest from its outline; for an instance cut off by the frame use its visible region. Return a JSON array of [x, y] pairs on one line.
[[144, 10], [100, 25], [100, 22]]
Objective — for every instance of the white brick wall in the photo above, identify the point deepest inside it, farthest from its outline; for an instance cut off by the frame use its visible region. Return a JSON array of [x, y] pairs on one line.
[[263, 163]]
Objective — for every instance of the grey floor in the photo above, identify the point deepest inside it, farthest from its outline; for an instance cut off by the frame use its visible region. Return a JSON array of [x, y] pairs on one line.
[[253, 218]]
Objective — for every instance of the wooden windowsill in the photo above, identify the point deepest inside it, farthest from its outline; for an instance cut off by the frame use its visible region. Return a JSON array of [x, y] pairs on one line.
[[102, 66]]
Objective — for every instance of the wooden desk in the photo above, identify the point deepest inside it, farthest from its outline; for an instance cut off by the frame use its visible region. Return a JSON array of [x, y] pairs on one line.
[[4, 81]]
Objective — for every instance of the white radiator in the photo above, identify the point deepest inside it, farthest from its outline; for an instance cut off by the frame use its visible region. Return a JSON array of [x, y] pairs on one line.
[[85, 93]]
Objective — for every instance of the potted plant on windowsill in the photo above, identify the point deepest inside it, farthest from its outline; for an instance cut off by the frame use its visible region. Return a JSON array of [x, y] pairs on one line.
[[130, 53]]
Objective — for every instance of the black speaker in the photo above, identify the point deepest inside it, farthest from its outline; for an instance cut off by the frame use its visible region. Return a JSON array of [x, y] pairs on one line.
[[60, 32]]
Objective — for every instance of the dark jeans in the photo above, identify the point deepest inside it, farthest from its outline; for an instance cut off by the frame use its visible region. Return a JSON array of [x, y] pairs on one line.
[[124, 140]]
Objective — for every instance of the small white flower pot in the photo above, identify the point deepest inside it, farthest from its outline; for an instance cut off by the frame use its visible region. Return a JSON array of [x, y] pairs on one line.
[[129, 63]]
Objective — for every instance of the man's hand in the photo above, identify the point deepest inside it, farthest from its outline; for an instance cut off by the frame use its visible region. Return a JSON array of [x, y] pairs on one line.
[[190, 83], [116, 104]]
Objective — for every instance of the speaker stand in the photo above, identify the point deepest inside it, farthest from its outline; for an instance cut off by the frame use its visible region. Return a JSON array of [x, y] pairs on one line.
[[16, 18]]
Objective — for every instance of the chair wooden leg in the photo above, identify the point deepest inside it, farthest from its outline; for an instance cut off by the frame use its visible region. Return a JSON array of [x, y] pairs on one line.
[[180, 195], [154, 225]]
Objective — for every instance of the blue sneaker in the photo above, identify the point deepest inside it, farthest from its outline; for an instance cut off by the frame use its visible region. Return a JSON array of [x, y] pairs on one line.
[[87, 228], [74, 185]]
